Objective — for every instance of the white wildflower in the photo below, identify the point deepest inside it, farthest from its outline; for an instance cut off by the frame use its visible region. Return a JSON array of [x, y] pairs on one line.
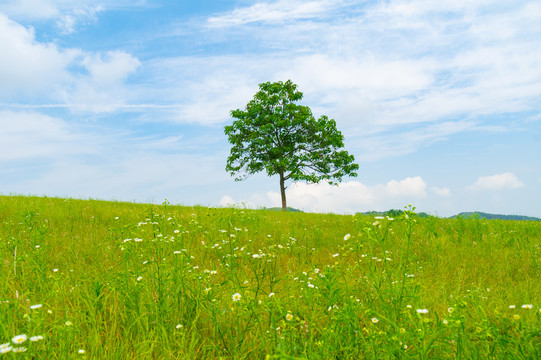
[[19, 339]]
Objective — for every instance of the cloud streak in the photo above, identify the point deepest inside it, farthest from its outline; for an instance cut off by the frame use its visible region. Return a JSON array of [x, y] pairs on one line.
[[274, 12]]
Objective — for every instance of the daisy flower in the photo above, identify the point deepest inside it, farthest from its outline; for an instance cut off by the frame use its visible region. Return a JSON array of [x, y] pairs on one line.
[[19, 339], [5, 348]]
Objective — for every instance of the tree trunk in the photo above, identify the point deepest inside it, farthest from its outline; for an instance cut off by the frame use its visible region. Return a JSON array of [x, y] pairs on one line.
[[283, 192]]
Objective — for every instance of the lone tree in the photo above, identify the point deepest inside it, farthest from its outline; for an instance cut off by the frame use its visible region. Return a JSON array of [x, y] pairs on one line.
[[276, 135]]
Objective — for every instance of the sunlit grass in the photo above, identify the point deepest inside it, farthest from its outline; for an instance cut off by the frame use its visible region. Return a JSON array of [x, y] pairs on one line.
[[93, 279]]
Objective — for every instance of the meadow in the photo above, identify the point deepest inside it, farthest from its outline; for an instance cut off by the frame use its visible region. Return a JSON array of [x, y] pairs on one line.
[[88, 279]]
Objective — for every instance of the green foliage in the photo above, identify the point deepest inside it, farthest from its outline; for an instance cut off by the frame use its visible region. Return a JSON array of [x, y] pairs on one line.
[[124, 281], [275, 135]]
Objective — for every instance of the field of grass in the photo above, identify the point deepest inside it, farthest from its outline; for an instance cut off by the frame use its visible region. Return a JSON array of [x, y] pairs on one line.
[[108, 280]]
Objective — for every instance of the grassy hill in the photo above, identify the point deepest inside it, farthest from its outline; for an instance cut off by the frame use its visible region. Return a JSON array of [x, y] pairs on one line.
[[111, 280]]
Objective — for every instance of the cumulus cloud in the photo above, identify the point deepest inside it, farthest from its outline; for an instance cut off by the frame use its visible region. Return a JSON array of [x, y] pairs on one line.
[[411, 186], [226, 201], [352, 196], [506, 180], [20, 70], [52, 79]]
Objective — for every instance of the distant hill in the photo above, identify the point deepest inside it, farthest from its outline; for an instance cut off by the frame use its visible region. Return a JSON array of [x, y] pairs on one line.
[[482, 215], [464, 215], [392, 213], [280, 209]]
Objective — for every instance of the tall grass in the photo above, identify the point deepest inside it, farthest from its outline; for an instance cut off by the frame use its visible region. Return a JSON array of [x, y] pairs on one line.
[[108, 280]]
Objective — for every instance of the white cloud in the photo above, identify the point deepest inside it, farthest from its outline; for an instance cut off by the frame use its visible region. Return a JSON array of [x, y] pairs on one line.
[[30, 9], [387, 64], [79, 10], [111, 68], [273, 12], [411, 186], [50, 156], [444, 191], [28, 135], [506, 180], [68, 14], [215, 85], [50, 79], [226, 201], [103, 90], [20, 69], [352, 196], [375, 146], [376, 77], [69, 22]]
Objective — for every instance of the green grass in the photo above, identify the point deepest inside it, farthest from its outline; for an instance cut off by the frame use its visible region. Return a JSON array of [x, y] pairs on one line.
[[125, 281]]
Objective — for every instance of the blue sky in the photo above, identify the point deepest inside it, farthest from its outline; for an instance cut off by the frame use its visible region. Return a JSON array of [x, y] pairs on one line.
[[439, 101]]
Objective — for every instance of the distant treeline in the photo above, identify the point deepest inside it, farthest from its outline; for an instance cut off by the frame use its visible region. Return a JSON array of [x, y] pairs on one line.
[[482, 215], [392, 213]]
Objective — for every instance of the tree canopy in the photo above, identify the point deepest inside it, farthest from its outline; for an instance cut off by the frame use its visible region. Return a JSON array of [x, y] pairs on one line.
[[278, 136]]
